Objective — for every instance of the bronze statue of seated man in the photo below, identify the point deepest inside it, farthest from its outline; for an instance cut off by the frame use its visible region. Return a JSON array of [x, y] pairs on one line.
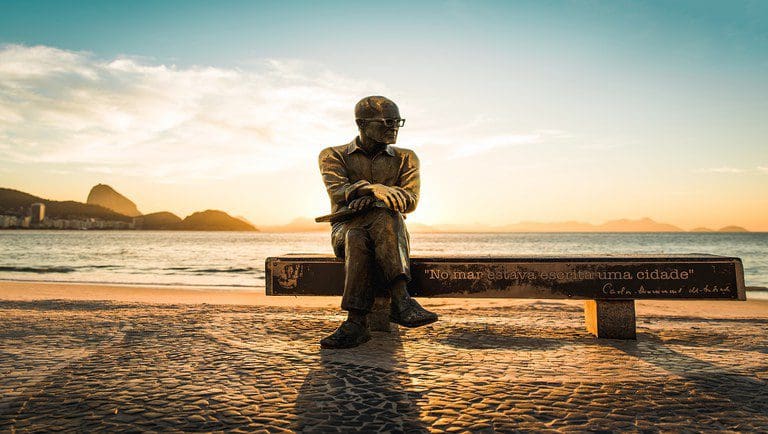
[[372, 184]]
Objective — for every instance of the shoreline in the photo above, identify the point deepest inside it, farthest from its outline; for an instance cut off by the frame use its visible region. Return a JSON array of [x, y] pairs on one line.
[[178, 294], [188, 287], [174, 295]]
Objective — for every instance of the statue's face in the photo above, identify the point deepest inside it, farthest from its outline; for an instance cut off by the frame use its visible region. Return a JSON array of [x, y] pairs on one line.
[[376, 129]]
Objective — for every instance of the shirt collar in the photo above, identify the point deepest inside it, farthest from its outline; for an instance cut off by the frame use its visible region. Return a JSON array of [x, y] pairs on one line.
[[355, 146]]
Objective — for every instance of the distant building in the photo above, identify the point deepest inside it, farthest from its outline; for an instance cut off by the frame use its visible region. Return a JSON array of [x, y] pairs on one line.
[[8, 221], [37, 220], [37, 212]]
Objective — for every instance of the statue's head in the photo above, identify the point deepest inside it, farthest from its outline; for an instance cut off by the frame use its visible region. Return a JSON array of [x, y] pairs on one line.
[[378, 119]]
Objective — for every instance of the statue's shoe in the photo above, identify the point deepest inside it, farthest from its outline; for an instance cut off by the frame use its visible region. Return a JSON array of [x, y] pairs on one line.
[[348, 335], [409, 313]]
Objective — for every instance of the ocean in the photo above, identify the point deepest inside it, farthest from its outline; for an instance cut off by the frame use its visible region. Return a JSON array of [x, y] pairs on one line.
[[236, 259]]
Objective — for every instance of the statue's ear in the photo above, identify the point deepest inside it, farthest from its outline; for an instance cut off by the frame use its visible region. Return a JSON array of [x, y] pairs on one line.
[[360, 123]]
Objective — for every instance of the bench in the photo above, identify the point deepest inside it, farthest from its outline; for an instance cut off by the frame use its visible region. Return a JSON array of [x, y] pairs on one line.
[[609, 284]]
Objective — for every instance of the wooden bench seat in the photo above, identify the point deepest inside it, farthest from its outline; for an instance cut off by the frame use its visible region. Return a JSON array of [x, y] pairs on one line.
[[609, 284]]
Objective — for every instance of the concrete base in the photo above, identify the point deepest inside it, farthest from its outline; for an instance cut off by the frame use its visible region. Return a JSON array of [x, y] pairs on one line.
[[611, 319], [378, 319]]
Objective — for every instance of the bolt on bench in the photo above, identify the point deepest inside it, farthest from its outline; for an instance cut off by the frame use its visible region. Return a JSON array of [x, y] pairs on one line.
[[609, 284]]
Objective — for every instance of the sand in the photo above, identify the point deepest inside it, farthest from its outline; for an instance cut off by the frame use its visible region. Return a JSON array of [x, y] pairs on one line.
[[174, 359]]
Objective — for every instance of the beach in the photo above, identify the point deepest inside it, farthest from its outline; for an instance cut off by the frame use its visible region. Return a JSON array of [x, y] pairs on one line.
[[110, 357]]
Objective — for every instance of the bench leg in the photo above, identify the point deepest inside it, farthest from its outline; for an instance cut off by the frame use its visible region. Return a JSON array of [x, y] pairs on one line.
[[378, 319], [611, 319]]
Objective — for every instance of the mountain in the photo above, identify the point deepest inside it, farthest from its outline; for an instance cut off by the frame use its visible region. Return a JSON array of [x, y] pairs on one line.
[[12, 200], [622, 225], [17, 202], [642, 225], [213, 220], [723, 229], [159, 221], [106, 196], [732, 229]]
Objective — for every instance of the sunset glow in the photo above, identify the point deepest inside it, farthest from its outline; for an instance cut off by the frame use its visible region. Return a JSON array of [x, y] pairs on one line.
[[518, 111]]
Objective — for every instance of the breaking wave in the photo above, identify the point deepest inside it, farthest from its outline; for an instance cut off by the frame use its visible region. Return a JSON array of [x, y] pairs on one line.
[[39, 270], [196, 270]]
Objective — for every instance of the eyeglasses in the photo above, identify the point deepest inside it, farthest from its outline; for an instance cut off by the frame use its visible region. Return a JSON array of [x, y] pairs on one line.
[[387, 122]]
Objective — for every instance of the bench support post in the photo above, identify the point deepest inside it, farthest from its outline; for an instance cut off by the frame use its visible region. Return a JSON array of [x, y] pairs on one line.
[[378, 319], [611, 319]]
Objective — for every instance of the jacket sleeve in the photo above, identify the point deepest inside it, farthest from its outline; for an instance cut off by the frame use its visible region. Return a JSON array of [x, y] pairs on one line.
[[336, 179], [409, 181]]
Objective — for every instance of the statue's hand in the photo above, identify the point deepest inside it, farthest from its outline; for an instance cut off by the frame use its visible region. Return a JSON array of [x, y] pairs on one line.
[[392, 197], [361, 203]]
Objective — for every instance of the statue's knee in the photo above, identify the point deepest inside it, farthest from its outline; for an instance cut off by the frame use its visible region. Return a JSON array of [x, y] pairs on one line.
[[386, 214], [356, 240], [388, 218]]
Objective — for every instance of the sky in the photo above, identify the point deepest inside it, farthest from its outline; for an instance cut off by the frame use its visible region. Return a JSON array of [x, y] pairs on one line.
[[544, 111]]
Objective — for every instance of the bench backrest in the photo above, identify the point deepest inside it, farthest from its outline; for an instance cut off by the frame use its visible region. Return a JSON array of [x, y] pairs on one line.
[[577, 277]]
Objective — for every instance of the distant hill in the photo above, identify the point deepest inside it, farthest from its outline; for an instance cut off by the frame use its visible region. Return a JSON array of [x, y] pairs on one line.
[[642, 225], [159, 221], [213, 220], [17, 202], [623, 225], [11, 200], [723, 229], [646, 224], [732, 229], [106, 196]]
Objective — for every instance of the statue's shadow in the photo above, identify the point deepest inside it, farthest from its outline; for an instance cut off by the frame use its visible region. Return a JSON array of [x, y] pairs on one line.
[[731, 388], [498, 340], [360, 389]]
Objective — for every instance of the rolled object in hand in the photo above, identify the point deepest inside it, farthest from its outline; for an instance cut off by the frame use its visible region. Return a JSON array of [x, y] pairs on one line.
[[346, 213], [338, 216]]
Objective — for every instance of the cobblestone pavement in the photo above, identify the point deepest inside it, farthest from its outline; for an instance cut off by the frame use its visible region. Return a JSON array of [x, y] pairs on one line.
[[100, 366]]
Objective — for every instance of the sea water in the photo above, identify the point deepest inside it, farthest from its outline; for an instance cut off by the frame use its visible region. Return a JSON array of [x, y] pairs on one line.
[[236, 259]]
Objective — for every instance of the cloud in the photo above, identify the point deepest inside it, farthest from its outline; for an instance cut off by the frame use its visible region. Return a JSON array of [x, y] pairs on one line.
[[127, 116], [763, 169], [722, 169], [601, 146], [476, 137]]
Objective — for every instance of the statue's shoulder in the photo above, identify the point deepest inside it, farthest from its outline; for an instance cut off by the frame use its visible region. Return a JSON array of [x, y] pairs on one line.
[[404, 152], [333, 151]]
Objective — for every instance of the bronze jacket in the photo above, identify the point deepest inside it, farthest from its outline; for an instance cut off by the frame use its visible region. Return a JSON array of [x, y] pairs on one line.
[[346, 168]]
